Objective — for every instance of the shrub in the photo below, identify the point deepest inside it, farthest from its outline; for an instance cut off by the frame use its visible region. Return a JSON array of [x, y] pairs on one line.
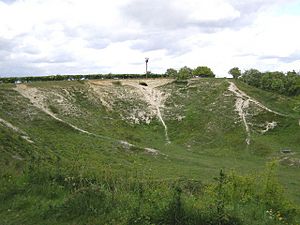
[[203, 71]]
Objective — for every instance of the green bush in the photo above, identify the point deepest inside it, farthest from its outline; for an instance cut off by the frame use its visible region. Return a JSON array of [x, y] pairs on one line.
[[203, 71], [287, 84]]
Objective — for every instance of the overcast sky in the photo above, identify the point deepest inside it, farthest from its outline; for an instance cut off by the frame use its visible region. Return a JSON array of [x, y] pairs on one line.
[[42, 37]]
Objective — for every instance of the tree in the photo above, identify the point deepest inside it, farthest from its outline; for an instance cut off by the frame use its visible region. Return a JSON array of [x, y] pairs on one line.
[[252, 77], [276, 81], [273, 81], [266, 81], [292, 83], [235, 72], [171, 73], [203, 71], [185, 73]]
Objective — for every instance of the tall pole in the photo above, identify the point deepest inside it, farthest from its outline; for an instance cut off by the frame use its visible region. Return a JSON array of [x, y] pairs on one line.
[[146, 60]]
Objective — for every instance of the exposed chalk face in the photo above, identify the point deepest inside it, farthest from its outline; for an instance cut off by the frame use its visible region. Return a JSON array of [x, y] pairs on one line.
[[242, 105], [38, 99], [131, 90]]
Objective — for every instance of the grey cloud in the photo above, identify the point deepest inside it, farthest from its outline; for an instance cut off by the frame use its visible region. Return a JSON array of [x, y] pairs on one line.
[[161, 14], [94, 34], [75, 69], [56, 58], [3, 56], [163, 26], [252, 6], [141, 39], [211, 26], [249, 9], [8, 1], [28, 67], [18, 68], [7, 44], [99, 37], [171, 42], [98, 43], [295, 56], [33, 50], [156, 13], [16, 45]]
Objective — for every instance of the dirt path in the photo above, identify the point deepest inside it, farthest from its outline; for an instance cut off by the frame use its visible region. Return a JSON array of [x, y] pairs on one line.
[[242, 104], [37, 98], [16, 129], [240, 94]]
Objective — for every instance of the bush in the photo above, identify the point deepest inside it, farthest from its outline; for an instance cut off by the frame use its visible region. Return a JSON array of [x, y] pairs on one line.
[[185, 73], [203, 71], [171, 73], [287, 84]]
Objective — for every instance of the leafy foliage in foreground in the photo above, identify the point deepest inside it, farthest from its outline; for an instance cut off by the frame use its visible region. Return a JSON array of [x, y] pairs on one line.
[[75, 197]]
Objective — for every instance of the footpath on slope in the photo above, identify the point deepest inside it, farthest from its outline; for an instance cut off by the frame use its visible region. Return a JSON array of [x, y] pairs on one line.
[[37, 98], [241, 106], [16, 129]]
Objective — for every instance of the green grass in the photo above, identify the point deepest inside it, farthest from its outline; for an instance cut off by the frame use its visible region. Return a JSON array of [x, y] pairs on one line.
[[78, 197], [206, 135]]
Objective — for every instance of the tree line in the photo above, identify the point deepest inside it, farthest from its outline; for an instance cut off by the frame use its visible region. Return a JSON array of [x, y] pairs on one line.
[[182, 74], [279, 82], [187, 73], [27, 79]]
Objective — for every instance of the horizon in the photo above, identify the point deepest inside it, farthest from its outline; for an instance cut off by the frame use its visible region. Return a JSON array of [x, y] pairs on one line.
[[92, 74]]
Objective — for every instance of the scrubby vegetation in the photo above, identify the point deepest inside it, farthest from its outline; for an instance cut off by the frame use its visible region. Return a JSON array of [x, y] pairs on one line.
[[279, 82], [186, 73], [59, 196]]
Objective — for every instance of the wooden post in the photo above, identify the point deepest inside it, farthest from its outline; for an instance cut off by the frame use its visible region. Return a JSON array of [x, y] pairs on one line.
[[146, 60]]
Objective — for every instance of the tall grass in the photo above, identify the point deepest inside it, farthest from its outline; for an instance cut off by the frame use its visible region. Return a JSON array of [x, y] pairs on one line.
[[72, 197]]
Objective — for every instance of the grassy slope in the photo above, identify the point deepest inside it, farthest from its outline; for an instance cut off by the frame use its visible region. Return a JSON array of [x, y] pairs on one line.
[[286, 136], [206, 140]]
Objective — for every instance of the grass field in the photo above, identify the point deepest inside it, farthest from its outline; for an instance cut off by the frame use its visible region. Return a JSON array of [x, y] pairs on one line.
[[77, 152]]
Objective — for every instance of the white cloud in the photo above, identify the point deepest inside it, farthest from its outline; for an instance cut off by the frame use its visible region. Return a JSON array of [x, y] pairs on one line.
[[40, 37]]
